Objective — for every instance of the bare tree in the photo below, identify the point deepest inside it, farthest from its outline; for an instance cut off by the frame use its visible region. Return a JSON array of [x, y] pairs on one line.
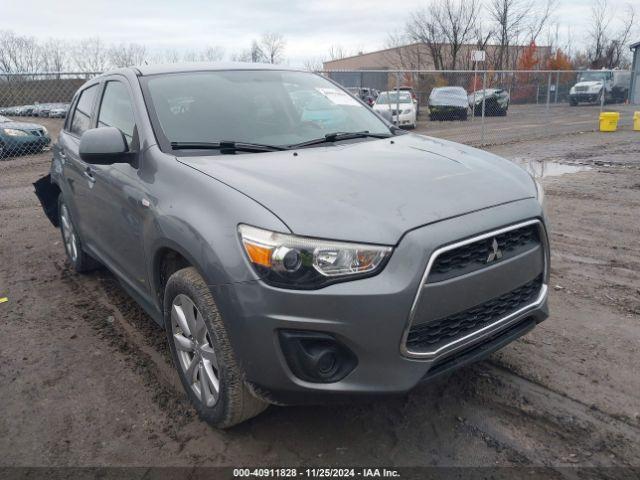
[[19, 54], [91, 55], [55, 57], [272, 46], [254, 54], [213, 53], [608, 42], [126, 55], [313, 64], [457, 19], [423, 27], [518, 22]]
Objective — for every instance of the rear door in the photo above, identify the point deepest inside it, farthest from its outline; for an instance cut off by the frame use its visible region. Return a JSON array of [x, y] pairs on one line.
[[78, 184]]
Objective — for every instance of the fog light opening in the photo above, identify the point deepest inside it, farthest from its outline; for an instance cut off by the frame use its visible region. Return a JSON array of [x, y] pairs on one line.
[[315, 356]]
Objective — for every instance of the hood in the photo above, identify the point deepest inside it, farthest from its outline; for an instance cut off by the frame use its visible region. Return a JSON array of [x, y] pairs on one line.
[[21, 125], [448, 100], [370, 191], [595, 83], [381, 107]]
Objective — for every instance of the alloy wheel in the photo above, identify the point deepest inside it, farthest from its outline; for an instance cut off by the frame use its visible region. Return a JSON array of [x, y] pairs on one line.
[[194, 348], [69, 234]]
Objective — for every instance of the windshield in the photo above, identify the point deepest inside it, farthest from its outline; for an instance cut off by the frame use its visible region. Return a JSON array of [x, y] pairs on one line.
[[255, 106], [592, 76], [392, 97]]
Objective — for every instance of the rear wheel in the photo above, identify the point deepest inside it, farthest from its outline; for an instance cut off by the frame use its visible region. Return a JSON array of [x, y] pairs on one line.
[[203, 355], [79, 259]]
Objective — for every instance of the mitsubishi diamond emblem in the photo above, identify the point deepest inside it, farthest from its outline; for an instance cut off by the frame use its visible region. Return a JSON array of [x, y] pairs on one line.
[[495, 253]]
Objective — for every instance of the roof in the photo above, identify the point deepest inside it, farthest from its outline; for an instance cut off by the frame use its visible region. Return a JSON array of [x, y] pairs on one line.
[[633, 46], [205, 66]]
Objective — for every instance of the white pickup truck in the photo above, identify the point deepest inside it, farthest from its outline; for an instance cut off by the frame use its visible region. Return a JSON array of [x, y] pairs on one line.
[[593, 84]]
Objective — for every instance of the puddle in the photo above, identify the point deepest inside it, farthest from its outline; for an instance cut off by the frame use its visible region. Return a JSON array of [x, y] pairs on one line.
[[540, 169]]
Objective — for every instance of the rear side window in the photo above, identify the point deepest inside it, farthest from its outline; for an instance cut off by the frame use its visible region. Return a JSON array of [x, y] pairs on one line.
[[82, 114], [116, 110]]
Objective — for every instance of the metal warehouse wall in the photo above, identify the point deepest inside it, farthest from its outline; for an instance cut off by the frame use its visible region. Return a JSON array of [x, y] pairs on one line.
[[634, 93], [377, 80]]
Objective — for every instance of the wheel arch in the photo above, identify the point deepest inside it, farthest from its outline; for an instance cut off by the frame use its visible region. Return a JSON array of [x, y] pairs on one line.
[[168, 257]]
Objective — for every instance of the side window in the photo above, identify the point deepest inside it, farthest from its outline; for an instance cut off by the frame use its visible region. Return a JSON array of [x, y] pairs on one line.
[[116, 110], [82, 113]]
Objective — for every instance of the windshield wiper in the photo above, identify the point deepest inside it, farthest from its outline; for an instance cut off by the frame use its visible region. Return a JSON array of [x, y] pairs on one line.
[[226, 147], [335, 136]]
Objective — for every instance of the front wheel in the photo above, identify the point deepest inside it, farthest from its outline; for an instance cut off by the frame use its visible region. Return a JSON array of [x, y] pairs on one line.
[[203, 355]]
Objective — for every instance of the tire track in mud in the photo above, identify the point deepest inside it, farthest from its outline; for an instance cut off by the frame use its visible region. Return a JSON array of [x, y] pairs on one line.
[[152, 366]]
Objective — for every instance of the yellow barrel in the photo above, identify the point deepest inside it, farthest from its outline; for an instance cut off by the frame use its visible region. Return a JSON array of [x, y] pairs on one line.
[[636, 121], [609, 121]]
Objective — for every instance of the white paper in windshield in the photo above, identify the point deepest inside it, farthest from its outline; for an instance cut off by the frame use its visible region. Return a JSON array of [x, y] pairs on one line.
[[338, 97]]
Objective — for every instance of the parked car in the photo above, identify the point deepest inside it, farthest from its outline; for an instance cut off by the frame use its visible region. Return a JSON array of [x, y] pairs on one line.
[[18, 138], [448, 103], [399, 105], [367, 95], [59, 110], [23, 110], [496, 103], [291, 262], [41, 110], [12, 111], [593, 84], [416, 100]]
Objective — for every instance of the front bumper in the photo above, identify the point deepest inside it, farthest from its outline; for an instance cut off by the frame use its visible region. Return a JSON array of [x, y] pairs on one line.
[[585, 97], [369, 316]]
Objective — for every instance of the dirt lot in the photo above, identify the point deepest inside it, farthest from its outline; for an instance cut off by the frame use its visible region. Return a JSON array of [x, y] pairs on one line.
[[85, 376]]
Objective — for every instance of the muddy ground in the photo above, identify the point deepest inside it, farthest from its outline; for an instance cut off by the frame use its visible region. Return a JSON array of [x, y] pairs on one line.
[[86, 379]]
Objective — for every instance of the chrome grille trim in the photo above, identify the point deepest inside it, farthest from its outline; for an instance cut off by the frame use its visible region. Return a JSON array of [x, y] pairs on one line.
[[492, 327]]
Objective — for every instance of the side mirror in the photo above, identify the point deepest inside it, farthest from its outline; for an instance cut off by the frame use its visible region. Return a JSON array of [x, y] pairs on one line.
[[104, 146]]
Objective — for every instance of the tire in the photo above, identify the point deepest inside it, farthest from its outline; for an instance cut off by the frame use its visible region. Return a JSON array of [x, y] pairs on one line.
[[463, 116], [81, 261], [573, 102], [199, 342]]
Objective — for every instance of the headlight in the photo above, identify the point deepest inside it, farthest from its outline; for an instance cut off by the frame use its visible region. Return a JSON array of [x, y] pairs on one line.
[[12, 132], [290, 261]]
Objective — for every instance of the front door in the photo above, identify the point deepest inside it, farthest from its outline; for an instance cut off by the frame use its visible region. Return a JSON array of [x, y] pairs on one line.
[[118, 194]]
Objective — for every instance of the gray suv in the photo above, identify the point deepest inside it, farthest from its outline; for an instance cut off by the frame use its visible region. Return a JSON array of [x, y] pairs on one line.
[[295, 246]]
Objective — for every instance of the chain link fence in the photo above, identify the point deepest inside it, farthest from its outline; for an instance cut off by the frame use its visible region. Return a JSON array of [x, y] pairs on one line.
[[473, 107], [32, 109], [491, 107]]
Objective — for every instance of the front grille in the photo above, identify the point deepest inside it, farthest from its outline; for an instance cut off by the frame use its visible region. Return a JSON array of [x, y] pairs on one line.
[[431, 335], [476, 255]]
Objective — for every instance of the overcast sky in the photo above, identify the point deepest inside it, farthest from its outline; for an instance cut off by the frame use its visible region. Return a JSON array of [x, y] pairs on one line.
[[310, 27]]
